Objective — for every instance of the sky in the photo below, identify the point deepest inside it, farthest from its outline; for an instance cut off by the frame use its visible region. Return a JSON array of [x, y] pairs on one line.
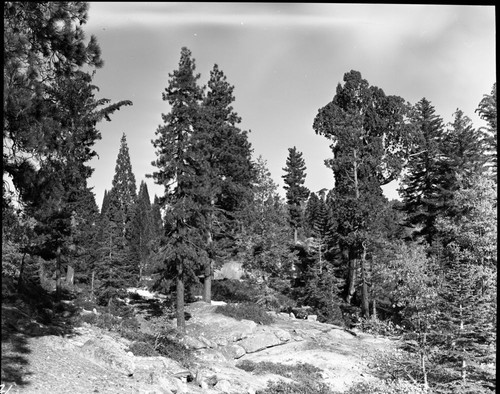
[[285, 61]]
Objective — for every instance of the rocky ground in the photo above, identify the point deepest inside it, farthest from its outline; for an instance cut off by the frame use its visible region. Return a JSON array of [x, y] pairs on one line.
[[87, 359]]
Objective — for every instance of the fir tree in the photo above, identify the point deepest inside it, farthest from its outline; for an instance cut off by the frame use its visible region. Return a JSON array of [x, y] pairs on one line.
[[469, 270], [105, 202], [421, 186], [124, 185], [462, 157], [177, 163], [487, 110], [296, 193], [263, 228], [114, 270], [142, 229], [227, 175]]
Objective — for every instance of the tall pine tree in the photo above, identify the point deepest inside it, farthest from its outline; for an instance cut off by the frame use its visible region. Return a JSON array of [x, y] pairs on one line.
[[227, 175], [142, 229], [487, 110], [296, 192], [177, 165], [421, 186]]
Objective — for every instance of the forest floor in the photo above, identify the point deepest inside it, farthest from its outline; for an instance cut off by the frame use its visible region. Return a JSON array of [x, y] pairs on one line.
[[47, 358]]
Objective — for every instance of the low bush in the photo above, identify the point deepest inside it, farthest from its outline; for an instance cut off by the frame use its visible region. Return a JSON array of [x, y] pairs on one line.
[[380, 327], [233, 290], [387, 387], [247, 311], [143, 349], [168, 345], [301, 372], [281, 387], [307, 377]]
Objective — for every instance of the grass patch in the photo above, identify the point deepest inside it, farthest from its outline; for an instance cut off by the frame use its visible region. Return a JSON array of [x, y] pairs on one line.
[[247, 311]]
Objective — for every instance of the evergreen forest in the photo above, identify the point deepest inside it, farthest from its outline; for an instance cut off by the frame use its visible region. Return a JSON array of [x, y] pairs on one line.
[[423, 268]]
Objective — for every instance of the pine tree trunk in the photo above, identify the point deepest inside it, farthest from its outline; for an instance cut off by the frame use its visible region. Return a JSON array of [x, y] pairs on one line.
[[464, 363], [365, 304], [58, 273], [207, 283], [207, 275], [353, 262], [424, 371], [92, 294], [181, 322], [352, 280], [423, 347], [295, 235], [374, 309]]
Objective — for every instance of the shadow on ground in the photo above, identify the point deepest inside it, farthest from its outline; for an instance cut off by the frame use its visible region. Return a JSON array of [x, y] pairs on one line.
[[28, 312]]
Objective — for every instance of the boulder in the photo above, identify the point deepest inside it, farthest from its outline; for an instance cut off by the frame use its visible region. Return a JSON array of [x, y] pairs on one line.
[[193, 343], [233, 351], [151, 369], [215, 328], [259, 341], [223, 385], [312, 317], [108, 353], [210, 355], [282, 335]]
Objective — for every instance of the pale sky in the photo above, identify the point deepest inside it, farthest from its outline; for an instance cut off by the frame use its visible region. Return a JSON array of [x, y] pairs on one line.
[[285, 61]]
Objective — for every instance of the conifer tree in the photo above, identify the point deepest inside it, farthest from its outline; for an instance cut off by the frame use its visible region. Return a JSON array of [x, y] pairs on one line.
[[469, 272], [114, 270], [119, 252], [462, 158], [124, 185], [318, 220], [156, 221], [421, 186], [84, 238], [142, 229], [487, 110], [369, 137], [177, 163], [263, 228], [227, 176], [105, 202], [296, 192], [50, 116]]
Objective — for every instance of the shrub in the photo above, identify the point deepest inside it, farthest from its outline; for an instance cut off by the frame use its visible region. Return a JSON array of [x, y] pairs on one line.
[[247, 310], [386, 387], [302, 373], [85, 304], [380, 327], [168, 345], [90, 318], [233, 291], [141, 348], [281, 387], [107, 321]]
